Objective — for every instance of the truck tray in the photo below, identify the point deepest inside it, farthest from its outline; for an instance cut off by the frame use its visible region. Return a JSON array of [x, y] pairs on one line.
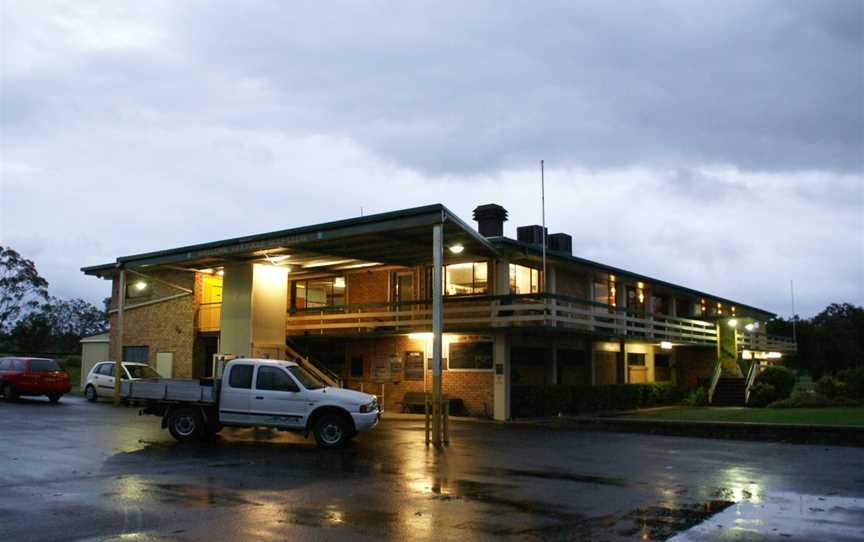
[[169, 389]]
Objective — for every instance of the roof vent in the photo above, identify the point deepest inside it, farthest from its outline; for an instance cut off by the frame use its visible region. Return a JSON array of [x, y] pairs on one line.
[[530, 234], [490, 219], [560, 242]]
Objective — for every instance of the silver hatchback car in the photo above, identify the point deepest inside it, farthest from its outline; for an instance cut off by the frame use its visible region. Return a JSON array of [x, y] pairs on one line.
[[100, 380]]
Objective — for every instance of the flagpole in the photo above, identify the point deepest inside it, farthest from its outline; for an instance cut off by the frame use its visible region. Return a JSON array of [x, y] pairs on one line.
[[543, 215]]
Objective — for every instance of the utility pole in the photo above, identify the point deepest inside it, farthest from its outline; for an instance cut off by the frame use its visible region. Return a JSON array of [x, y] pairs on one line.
[[118, 360]]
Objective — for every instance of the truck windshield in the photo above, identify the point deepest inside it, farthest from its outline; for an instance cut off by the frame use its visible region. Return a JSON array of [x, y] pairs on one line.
[[309, 382]]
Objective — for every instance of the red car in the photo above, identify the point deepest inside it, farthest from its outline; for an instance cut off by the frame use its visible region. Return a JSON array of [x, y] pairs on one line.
[[33, 376]]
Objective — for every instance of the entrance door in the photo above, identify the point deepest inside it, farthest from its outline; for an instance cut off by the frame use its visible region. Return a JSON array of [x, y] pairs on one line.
[[277, 399]]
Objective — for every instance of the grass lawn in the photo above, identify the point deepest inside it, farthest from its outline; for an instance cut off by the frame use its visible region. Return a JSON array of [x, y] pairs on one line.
[[812, 416]]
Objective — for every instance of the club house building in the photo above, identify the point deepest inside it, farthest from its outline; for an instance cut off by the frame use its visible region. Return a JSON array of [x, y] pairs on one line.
[[351, 300]]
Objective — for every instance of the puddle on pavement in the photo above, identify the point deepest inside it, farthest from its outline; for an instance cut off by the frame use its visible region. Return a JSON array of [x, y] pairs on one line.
[[333, 517], [557, 475], [785, 516]]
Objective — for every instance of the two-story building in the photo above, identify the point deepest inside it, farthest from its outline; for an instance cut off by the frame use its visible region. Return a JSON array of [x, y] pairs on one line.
[[352, 301]]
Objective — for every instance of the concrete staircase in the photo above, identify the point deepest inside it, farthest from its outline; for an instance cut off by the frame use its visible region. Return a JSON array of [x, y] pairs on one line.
[[730, 391]]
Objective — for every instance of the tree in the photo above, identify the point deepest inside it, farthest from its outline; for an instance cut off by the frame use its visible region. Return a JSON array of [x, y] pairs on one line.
[[22, 289]]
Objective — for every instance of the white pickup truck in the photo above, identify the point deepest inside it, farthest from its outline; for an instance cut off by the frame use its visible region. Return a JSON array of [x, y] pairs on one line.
[[256, 392]]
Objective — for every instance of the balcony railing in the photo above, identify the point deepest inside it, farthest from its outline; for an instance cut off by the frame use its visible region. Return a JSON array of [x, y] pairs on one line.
[[486, 312]]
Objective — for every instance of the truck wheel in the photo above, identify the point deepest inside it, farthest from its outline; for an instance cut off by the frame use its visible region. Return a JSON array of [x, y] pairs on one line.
[[331, 431], [90, 393], [185, 424]]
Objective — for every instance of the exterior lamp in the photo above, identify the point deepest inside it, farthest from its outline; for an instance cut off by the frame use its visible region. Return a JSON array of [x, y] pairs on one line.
[[733, 322], [221, 272], [457, 249], [665, 345], [140, 285], [774, 355], [746, 354], [749, 327]]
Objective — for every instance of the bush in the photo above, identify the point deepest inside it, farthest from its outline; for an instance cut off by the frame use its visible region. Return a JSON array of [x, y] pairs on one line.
[[552, 400], [805, 399], [697, 397], [72, 361], [762, 394], [854, 379], [830, 387], [780, 378]]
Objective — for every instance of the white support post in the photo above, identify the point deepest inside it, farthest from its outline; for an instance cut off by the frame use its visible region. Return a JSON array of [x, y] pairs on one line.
[[437, 327], [118, 361]]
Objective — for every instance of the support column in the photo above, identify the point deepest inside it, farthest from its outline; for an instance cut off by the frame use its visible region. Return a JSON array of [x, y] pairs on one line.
[[501, 360], [727, 347], [118, 368], [437, 326], [254, 305]]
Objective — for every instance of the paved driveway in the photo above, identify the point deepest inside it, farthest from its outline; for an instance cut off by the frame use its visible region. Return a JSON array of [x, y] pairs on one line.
[[79, 471]]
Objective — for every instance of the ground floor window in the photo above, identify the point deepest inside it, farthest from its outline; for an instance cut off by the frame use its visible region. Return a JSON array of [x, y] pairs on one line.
[[470, 355], [136, 354], [662, 368], [636, 359]]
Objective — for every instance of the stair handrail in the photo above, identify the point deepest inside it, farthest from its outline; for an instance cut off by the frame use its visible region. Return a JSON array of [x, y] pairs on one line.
[[323, 373], [715, 378], [751, 379]]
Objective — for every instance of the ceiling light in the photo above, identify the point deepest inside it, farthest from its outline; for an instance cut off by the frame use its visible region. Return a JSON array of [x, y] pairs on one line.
[[774, 355], [457, 249], [416, 336], [666, 345], [221, 272], [732, 322], [749, 327]]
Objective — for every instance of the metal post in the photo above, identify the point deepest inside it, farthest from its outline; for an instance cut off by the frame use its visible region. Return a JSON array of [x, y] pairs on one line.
[[118, 369], [543, 215], [437, 327]]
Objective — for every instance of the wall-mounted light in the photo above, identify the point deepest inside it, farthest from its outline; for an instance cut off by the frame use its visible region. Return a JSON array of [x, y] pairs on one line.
[[666, 345], [456, 249], [140, 285], [221, 272], [732, 322], [749, 327]]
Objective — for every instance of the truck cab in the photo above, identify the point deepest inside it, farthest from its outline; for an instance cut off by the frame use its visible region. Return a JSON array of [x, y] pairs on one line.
[[254, 393]]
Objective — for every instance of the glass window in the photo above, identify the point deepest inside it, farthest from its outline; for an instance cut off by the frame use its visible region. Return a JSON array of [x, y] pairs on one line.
[[635, 359], [136, 354], [274, 379], [466, 278], [44, 366], [5, 364], [322, 292], [241, 376], [309, 382], [470, 355], [683, 307], [661, 361], [141, 371], [106, 369], [660, 304], [18, 365], [524, 280]]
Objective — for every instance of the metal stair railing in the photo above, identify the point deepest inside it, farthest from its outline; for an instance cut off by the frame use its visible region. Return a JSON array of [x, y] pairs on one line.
[[320, 371], [715, 378]]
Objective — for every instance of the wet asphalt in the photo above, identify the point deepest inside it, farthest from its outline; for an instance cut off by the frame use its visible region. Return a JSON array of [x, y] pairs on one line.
[[81, 471]]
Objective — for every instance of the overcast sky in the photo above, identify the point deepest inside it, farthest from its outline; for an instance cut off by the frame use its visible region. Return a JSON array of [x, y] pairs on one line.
[[716, 145]]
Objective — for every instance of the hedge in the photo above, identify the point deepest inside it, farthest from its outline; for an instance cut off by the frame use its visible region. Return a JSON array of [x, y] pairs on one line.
[[529, 401]]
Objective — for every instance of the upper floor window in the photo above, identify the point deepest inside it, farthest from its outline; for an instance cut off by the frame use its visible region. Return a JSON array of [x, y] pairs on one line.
[[466, 278], [321, 292], [636, 298], [524, 280], [660, 304], [683, 307]]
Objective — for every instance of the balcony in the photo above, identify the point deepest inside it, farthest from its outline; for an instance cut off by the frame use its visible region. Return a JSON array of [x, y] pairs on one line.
[[486, 313]]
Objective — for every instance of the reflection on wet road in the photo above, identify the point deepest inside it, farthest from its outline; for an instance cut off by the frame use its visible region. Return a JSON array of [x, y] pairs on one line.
[[78, 471]]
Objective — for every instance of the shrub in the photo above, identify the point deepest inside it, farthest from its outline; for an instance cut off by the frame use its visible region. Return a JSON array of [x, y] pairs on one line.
[[552, 400], [697, 397], [780, 378], [762, 394], [805, 399], [854, 379], [72, 361], [830, 387]]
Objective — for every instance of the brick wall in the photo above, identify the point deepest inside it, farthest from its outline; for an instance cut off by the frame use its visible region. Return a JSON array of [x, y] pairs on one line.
[[475, 388], [694, 363], [368, 287], [168, 326]]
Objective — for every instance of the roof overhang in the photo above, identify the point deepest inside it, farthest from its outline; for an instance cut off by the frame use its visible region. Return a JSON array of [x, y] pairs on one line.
[[402, 238]]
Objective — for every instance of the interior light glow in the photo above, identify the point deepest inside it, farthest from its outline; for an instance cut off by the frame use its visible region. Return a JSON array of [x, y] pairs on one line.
[[417, 336], [221, 272], [339, 282], [774, 355], [457, 249], [666, 345], [746, 354]]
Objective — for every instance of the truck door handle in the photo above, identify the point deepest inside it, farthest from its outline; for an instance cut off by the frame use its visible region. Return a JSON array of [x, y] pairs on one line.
[[259, 397]]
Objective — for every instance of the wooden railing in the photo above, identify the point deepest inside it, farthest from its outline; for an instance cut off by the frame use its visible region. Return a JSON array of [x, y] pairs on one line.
[[483, 312], [761, 342]]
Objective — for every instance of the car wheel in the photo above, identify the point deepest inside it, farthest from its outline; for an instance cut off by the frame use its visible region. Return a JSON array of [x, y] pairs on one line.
[[331, 431], [90, 393], [54, 397], [185, 424], [9, 392]]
